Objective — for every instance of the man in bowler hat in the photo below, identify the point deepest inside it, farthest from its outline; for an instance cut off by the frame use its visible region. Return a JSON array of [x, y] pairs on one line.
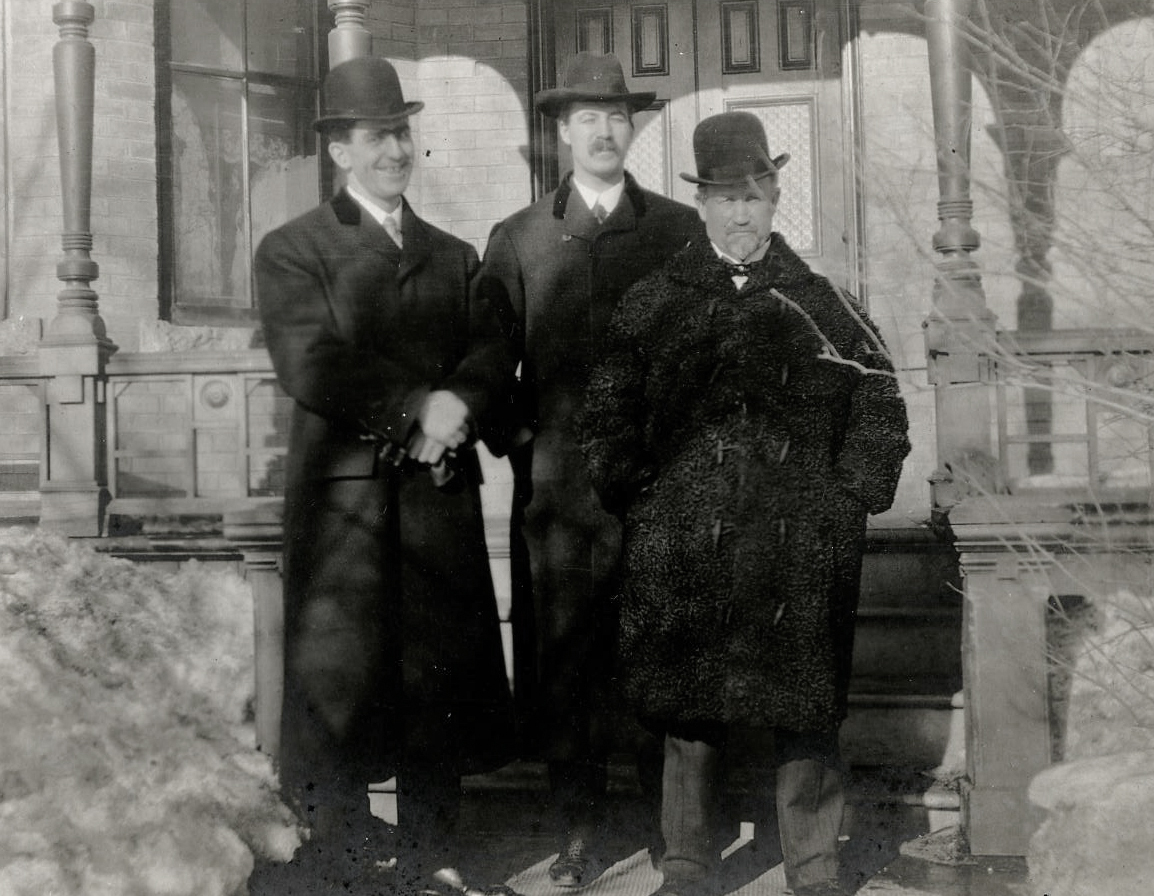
[[558, 268], [393, 656], [743, 422]]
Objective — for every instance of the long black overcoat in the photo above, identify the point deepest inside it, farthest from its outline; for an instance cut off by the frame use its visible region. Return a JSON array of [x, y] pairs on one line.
[[388, 595], [559, 275], [744, 435]]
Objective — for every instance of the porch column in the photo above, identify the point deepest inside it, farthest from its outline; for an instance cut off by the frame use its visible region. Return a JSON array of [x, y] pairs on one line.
[[349, 38], [1006, 687], [75, 348], [960, 328], [258, 533]]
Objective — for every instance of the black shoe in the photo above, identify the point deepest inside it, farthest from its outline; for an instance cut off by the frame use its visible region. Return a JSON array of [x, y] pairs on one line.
[[682, 887], [822, 888], [316, 870], [448, 882], [577, 865]]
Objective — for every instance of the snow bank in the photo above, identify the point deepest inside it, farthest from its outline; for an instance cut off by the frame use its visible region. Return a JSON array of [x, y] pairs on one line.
[[1095, 839], [127, 759]]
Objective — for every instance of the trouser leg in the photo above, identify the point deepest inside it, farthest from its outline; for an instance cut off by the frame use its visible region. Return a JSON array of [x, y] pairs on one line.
[[688, 798], [428, 803], [578, 789], [428, 793], [810, 802]]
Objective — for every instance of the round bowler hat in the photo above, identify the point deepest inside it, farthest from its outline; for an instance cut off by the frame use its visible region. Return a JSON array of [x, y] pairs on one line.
[[592, 77], [364, 88], [730, 148]]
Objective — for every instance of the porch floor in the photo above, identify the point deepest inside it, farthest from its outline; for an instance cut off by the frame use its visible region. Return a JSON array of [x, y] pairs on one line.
[[507, 839]]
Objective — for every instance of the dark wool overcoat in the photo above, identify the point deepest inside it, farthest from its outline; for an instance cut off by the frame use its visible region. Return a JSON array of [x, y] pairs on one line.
[[744, 435], [559, 276], [390, 618]]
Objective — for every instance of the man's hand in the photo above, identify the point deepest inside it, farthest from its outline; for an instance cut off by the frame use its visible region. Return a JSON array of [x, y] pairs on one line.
[[444, 422], [444, 418], [425, 450]]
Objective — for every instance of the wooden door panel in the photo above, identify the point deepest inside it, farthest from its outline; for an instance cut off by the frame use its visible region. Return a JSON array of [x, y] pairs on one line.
[[717, 55]]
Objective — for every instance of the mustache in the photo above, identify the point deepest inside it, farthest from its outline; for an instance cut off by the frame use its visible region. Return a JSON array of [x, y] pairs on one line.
[[602, 144]]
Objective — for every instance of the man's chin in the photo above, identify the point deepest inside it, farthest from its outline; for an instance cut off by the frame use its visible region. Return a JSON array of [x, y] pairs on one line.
[[741, 250]]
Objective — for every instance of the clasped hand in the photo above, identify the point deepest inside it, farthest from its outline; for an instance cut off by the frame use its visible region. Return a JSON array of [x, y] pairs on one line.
[[444, 427]]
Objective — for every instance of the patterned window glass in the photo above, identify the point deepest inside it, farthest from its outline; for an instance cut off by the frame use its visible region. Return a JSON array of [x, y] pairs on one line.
[[649, 153], [790, 126]]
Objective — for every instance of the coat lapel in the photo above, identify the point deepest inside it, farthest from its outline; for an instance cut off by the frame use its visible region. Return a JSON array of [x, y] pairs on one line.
[[371, 235], [577, 221], [417, 244]]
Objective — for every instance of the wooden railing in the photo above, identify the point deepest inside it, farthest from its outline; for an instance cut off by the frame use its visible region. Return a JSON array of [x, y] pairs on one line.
[[1099, 386], [22, 442], [1081, 525], [207, 431], [192, 432]]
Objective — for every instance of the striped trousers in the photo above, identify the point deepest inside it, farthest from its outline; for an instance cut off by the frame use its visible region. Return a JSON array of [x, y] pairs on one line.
[[808, 795]]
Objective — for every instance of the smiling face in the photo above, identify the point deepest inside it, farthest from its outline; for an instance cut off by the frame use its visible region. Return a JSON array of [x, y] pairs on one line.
[[739, 217], [599, 135], [377, 158]]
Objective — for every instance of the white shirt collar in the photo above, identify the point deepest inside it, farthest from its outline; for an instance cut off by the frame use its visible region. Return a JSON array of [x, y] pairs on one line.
[[758, 254], [722, 254], [378, 213], [739, 280], [608, 198]]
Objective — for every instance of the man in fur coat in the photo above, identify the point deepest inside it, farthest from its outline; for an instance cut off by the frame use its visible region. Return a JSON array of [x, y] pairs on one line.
[[743, 423], [559, 268]]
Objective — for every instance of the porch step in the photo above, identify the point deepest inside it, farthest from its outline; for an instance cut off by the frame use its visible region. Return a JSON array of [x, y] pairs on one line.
[[923, 729], [926, 802]]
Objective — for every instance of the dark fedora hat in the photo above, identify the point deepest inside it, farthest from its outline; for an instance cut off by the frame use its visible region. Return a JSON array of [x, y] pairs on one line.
[[730, 148], [364, 88], [592, 77]]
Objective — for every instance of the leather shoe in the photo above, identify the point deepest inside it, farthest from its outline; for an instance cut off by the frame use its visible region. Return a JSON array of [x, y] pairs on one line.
[[682, 887], [449, 882], [577, 865], [821, 888]]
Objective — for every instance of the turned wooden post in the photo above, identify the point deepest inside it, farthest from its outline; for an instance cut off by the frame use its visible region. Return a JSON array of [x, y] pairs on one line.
[[75, 348], [349, 38], [959, 331]]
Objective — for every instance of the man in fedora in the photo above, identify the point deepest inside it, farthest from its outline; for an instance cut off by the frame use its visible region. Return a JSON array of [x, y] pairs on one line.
[[559, 268], [393, 656], [743, 422]]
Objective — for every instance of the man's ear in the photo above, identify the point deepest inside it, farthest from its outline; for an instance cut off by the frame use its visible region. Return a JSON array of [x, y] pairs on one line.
[[699, 198], [339, 154], [563, 129]]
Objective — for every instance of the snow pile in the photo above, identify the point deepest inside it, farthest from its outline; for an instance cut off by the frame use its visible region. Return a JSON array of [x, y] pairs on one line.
[[127, 765], [1111, 700], [1098, 803]]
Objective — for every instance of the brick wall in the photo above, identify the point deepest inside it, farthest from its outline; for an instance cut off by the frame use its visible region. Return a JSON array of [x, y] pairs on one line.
[[466, 59], [123, 168]]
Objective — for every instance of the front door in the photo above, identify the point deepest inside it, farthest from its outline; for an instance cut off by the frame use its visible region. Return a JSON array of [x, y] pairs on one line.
[[780, 60]]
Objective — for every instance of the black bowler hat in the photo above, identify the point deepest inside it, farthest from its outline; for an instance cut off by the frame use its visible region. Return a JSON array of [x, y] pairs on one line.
[[730, 148], [365, 88], [592, 77]]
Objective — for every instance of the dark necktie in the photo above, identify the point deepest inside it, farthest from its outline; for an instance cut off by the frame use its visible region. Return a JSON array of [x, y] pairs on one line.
[[600, 213]]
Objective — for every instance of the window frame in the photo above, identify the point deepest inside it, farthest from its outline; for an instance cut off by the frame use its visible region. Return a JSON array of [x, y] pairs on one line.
[[170, 308]]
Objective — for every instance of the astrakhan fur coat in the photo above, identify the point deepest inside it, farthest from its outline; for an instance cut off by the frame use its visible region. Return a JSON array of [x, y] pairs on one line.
[[743, 435]]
